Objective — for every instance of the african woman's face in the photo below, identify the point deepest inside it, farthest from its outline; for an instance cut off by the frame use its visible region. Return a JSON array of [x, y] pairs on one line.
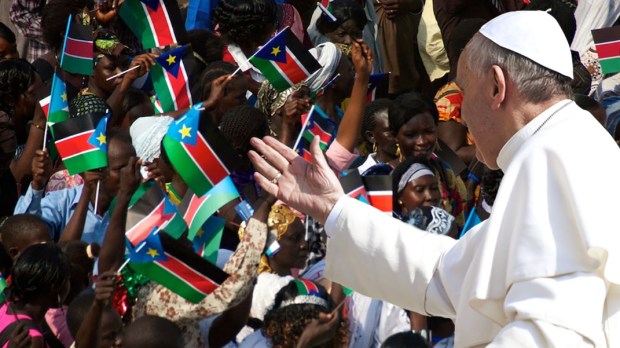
[[345, 33], [107, 67], [293, 247]]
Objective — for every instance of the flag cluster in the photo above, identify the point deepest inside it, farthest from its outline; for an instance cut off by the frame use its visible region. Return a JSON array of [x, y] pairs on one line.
[[375, 190], [155, 226]]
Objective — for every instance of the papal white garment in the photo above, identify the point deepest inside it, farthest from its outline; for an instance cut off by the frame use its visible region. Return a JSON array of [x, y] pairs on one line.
[[542, 271]]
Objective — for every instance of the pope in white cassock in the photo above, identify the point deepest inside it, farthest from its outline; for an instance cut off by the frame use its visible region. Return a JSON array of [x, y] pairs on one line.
[[544, 269]]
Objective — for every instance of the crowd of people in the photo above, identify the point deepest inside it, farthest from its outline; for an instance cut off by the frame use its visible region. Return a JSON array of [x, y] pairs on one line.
[[63, 235]]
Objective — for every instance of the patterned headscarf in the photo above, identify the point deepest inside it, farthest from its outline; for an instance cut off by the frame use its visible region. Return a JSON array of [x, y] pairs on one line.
[[431, 219], [107, 44]]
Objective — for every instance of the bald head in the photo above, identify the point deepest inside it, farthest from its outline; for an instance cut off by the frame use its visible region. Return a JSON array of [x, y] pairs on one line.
[[20, 231], [152, 331]]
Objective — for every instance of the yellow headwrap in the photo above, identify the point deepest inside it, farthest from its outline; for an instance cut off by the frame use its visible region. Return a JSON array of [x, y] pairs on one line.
[[280, 217]]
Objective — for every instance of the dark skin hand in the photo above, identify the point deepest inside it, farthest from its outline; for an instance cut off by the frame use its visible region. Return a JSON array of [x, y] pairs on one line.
[[113, 247], [41, 169], [20, 337], [145, 62], [106, 11], [291, 113], [321, 330]]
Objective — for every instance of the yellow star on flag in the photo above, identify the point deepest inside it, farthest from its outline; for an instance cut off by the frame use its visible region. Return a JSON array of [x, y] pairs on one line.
[[171, 60], [152, 252], [64, 96], [101, 138], [185, 131], [199, 233], [275, 51]]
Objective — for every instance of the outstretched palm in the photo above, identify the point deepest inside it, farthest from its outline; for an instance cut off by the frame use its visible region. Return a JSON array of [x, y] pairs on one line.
[[311, 188]]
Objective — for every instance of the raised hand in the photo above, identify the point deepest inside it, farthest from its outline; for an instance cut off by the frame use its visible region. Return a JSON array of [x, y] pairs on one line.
[[20, 337], [218, 89], [91, 178], [106, 11], [145, 61], [319, 331], [311, 188], [362, 58], [41, 167], [130, 177], [104, 288]]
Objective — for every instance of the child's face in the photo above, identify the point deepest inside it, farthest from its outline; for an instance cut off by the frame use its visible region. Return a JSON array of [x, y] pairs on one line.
[[111, 327]]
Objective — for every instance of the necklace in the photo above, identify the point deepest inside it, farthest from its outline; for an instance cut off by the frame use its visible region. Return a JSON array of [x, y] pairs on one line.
[[548, 118]]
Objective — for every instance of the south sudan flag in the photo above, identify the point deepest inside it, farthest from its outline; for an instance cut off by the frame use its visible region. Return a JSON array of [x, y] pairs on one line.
[[196, 210], [77, 52], [171, 81], [353, 186], [379, 190], [202, 160], [316, 124], [153, 210], [182, 271], [156, 23], [284, 61], [82, 142]]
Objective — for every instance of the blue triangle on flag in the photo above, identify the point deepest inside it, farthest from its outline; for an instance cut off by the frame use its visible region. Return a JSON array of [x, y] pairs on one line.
[[185, 129], [274, 49], [153, 4], [99, 138], [171, 60]]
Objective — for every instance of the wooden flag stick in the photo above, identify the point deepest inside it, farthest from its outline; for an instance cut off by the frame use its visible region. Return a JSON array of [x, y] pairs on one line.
[[97, 196], [45, 135], [252, 56], [123, 72]]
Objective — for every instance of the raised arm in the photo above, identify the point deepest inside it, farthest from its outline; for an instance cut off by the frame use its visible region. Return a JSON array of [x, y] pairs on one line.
[[21, 167], [74, 228], [351, 124]]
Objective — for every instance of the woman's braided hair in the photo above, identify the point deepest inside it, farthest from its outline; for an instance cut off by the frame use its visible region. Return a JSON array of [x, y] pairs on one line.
[[244, 21], [16, 75]]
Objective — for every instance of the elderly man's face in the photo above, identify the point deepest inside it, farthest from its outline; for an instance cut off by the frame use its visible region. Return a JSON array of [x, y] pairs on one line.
[[476, 112]]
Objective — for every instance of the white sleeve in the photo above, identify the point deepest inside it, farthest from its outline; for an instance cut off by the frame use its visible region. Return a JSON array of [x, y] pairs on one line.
[[381, 257], [565, 311]]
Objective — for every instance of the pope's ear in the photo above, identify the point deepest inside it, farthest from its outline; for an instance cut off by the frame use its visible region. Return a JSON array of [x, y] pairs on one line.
[[499, 87]]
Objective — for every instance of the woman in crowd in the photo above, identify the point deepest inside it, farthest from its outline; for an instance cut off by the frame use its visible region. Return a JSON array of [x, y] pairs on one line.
[[22, 125], [379, 142], [414, 186], [413, 121], [234, 93], [8, 47]]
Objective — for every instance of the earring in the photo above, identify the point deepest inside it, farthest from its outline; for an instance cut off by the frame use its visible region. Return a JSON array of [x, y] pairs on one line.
[[399, 153], [374, 147]]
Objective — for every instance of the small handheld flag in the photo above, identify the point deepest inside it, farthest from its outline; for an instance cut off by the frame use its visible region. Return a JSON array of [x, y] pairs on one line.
[[153, 209], [183, 271], [607, 43], [77, 51], [315, 124], [81, 142], [326, 8], [208, 238], [201, 161], [379, 190], [378, 86], [353, 186], [284, 60], [156, 23], [148, 250], [58, 107], [171, 80], [196, 210]]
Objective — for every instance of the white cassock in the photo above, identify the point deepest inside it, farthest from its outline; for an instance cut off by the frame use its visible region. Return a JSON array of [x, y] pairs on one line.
[[542, 271]]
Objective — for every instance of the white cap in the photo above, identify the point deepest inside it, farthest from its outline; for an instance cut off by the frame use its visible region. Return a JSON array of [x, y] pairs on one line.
[[533, 34], [146, 135]]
